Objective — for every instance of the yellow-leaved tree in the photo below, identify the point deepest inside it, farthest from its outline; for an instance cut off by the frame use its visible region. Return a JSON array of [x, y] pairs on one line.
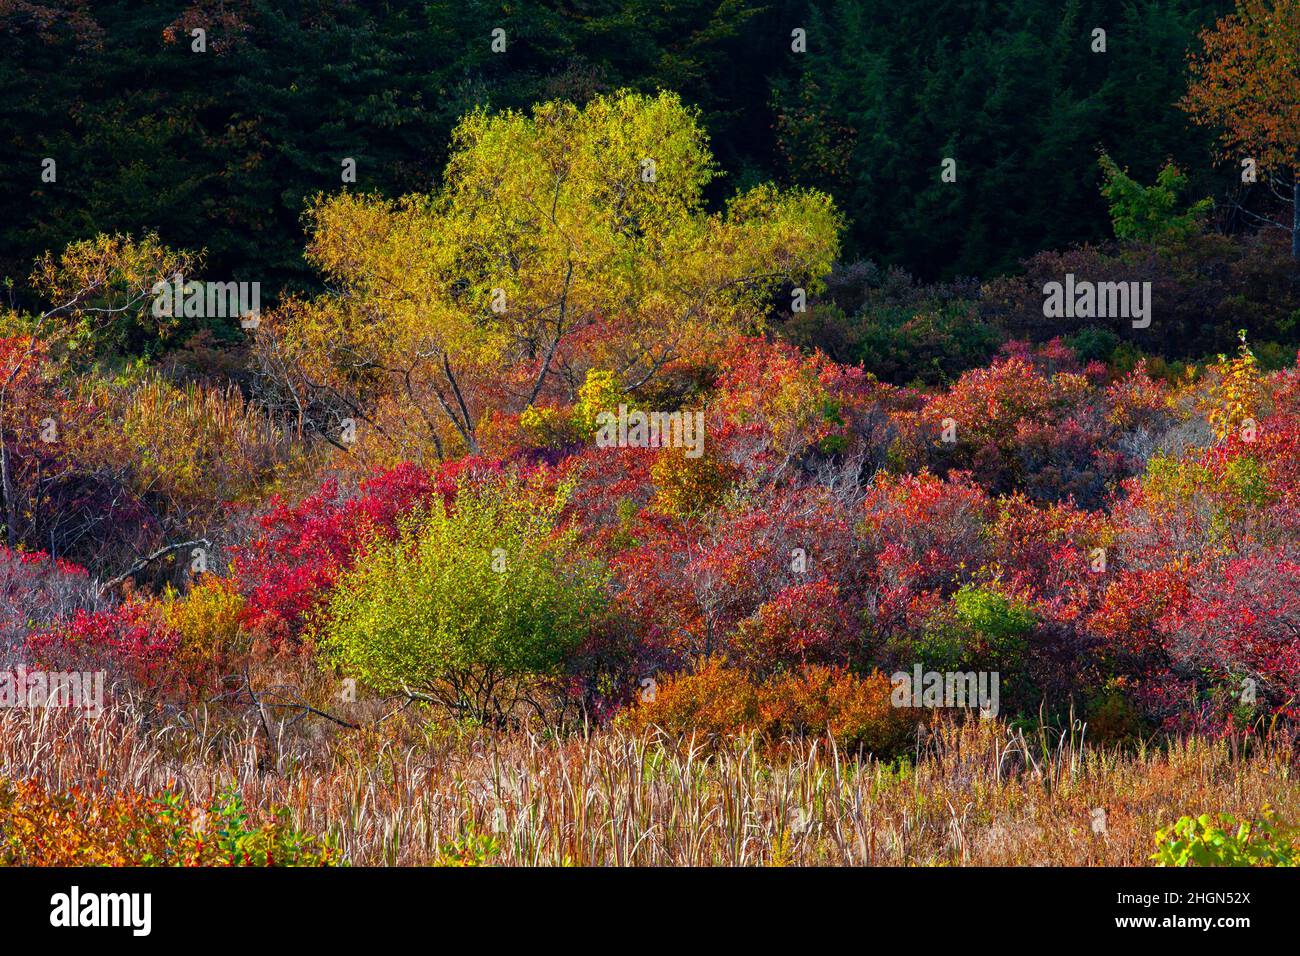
[[569, 240]]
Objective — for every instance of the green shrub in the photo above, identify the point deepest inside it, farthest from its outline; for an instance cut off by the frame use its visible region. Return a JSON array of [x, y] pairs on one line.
[[229, 836], [978, 628], [1150, 213], [470, 848], [926, 343], [1094, 344], [469, 606], [1202, 841], [1112, 716]]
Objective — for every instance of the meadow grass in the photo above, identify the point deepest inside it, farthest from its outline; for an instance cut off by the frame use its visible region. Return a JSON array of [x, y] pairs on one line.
[[405, 791]]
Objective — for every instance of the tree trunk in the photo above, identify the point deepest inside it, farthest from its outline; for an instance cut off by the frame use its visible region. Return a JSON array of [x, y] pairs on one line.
[[7, 491], [6, 482], [1295, 218]]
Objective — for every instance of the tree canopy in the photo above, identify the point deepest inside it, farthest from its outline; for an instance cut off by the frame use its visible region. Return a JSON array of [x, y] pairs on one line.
[[568, 240]]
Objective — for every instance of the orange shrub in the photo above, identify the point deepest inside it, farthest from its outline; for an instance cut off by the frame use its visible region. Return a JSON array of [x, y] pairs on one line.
[[712, 700], [857, 711], [718, 701]]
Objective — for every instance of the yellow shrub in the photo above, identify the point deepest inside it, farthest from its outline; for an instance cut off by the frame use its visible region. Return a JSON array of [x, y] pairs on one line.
[[208, 621], [687, 485], [1236, 392]]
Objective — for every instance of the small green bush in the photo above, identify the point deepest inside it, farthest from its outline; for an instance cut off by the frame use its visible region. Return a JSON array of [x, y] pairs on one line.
[[978, 628], [1150, 213], [229, 836], [470, 848], [1203, 841], [469, 605]]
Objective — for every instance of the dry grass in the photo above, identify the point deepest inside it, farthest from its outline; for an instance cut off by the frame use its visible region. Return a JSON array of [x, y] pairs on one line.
[[978, 795]]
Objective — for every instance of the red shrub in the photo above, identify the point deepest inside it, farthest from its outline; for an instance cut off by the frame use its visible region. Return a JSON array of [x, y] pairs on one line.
[[35, 592], [928, 535], [129, 641], [287, 571], [687, 586], [802, 623], [1242, 622]]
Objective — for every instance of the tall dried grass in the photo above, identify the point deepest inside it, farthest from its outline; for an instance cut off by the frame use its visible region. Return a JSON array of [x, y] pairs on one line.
[[976, 794]]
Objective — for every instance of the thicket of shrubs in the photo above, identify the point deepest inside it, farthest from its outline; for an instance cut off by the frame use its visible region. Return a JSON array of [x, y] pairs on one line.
[[1099, 538], [409, 493], [1207, 287]]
